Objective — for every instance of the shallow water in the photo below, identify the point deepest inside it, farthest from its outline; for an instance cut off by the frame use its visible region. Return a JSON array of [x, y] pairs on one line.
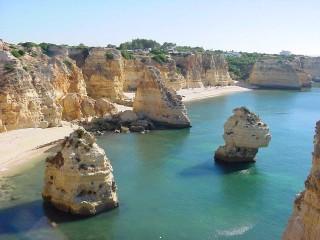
[[170, 188]]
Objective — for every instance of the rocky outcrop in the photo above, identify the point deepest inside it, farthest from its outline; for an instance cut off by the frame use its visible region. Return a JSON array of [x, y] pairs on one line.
[[305, 220], [278, 73], [244, 133], [79, 178], [30, 86], [311, 65], [40, 86], [103, 73], [180, 71], [159, 103], [203, 69], [76, 106]]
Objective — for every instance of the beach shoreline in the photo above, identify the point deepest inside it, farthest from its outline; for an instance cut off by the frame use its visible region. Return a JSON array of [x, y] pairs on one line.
[[19, 147], [195, 94]]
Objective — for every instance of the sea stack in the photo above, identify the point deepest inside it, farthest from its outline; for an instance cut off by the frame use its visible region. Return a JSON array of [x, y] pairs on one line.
[[305, 220], [79, 178], [244, 134], [160, 104]]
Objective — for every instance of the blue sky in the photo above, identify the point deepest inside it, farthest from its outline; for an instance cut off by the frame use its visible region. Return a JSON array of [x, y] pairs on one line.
[[241, 25]]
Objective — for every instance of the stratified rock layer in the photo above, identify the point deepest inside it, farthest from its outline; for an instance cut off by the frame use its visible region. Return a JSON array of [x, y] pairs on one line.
[[79, 178], [277, 73], [304, 223], [103, 73], [244, 133], [311, 65], [158, 103]]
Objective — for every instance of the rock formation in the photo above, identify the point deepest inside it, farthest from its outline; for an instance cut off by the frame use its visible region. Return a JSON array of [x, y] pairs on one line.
[[276, 73], [305, 220], [42, 85], [76, 106], [244, 133], [103, 73], [203, 69], [79, 178], [38, 90], [311, 65], [158, 103]]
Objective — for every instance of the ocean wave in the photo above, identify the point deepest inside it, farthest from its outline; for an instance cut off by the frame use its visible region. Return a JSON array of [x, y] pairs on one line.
[[235, 231]]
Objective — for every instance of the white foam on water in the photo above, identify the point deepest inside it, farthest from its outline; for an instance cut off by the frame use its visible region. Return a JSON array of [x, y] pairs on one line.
[[235, 231]]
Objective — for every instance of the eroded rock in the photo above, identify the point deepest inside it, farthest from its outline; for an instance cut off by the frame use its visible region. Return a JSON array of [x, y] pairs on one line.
[[244, 134], [305, 220], [158, 103], [79, 178]]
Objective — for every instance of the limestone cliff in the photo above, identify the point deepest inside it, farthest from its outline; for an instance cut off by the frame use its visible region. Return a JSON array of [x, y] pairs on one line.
[[244, 133], [159, 103], [103, 73], [203, 69], [31, 86], [180, 70], [305, 220], [311, 65], [79, 178], [40, 86], [276, 73]]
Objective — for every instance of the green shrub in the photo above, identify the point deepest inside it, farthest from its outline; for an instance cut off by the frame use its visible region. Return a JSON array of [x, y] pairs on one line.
[[25, 68], [67, 63], [28, 45], [9, 67], [139, 44], [127, 55], [189, 49], [34, 54], [178, 70], [17, 53], [109, 56], [240, 66], [161, 58], [45, 48]]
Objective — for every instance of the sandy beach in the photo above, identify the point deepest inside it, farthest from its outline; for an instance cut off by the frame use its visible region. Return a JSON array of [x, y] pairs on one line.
[[194, 94], [19, 146]]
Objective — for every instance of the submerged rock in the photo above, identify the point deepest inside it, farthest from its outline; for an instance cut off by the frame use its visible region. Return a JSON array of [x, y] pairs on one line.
[[305, 220], [79, 178], [158, 103], [244, 133]]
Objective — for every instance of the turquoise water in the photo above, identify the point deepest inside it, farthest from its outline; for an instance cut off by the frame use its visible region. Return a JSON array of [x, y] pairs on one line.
[[170, 188]]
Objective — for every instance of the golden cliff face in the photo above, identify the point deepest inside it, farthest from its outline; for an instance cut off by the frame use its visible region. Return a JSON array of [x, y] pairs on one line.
[[305, 220], [203, 69], [104, 74], [44, 86], [275, 73], [311, 65], [180, 71], [40, 91], [158, 103], [27, 95], [215, 71]]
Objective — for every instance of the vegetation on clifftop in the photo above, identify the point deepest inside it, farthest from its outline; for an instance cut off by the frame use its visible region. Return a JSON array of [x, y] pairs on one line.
[[139, 44], [17, 53], [159, 56], [240, 66], [127, 55]]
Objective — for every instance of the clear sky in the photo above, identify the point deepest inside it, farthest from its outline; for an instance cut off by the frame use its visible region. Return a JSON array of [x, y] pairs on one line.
[[241, 25]]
